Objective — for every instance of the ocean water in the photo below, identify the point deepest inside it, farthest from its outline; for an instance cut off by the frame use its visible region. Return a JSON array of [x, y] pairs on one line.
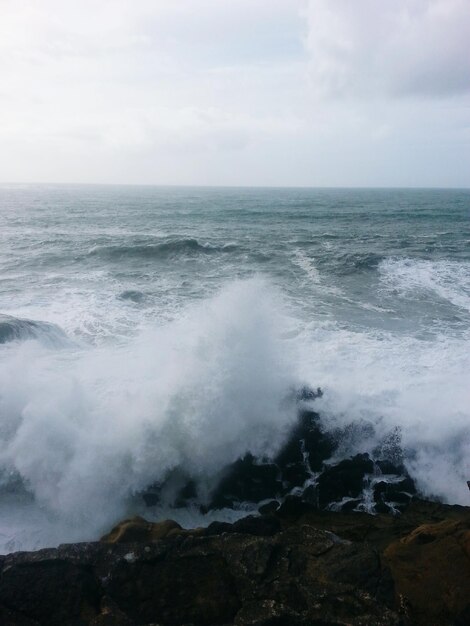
[[172, 324]]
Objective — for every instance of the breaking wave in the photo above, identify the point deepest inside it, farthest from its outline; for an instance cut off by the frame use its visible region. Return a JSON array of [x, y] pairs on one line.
[[17, 329], [163, 250], [449, 280]]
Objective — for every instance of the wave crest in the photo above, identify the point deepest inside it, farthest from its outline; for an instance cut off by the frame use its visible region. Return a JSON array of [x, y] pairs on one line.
[[163, 250], [17, 329]]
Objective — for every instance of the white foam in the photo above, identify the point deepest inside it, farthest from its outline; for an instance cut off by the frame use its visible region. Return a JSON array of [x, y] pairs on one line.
[[87, 429], [383, 381], [450, 280], [307, 264]]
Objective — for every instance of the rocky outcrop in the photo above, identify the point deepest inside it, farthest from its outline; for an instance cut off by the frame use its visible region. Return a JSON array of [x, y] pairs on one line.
[[306, 466], [431, 567], [299, 567]]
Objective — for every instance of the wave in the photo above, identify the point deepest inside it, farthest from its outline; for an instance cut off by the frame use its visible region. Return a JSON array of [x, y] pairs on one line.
[[449, 280], [87, 430], [307, 264], [17, 329], [351, 263], [163, 250]]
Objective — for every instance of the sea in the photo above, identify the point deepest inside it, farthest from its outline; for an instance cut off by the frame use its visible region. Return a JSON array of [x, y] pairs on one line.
[[146, 330]]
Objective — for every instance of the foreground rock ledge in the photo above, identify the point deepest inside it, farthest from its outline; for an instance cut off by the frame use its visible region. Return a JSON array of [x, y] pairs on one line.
[[298, 567]]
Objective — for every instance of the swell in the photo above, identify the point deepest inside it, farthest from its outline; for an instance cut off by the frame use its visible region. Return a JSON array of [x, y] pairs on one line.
[[164, 250], [17, 329]]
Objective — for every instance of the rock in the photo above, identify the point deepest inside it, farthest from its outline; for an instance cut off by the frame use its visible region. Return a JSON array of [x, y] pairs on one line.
[[309, 569], [306, 442], [392, 496], [431, 570], [298, 576], [246, 480], [138, 529], [387, 467], [187, 493], [344, 480], [269, 507], [350, 505], [306, 393], [294, 506], [264, 526]]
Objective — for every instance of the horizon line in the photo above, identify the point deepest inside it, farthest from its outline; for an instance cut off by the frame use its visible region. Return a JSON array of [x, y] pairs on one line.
[[215, 186]]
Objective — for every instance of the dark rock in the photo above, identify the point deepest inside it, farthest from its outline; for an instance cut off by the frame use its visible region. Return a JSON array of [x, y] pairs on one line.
[[294, 475], [382, 507], [53, 591], [320, 568], [397, 493], [431, 571], [387, 467], [306, 442], [350, 505], [218, 528], [188, 492], [150, 498], [294, 506], [318, 446], [346, 479], [263, 526], [247, 480], [298, 576], [310, 495], [306, 393], [269, 507], [138, 529]]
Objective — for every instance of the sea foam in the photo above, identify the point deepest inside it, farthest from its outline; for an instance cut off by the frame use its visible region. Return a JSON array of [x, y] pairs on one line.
[[86, 429]]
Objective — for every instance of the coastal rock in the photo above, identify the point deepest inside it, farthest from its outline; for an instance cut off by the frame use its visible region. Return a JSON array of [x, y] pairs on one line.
[[247, 480], [315, 568], [306, 468], [344, 480], [431, 567], [301, 575], [138, 529]]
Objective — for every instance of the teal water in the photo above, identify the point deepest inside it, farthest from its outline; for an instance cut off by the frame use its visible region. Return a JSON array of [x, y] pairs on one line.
[[188, 313]]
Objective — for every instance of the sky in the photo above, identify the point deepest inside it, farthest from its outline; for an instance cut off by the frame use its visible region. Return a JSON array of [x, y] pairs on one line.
[[236, 92]]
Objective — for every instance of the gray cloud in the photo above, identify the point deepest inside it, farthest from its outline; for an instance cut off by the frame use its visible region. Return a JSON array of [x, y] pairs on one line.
[[212, 92], [389, 48]]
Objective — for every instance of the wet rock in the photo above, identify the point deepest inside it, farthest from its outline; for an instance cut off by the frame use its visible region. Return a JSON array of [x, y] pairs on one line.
[[263, 526], [431, 570], [306, 443], [139, 529], [187, 493], [247, 480], [269, 507], [298, 576], [306, 393], [350, 505], [316, 568], [344, 480], [389, 495], [52, 591], [294, 506], [387, 467]]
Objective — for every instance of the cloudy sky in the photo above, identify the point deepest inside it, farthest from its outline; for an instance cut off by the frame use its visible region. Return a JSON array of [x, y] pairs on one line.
[[236, 92]]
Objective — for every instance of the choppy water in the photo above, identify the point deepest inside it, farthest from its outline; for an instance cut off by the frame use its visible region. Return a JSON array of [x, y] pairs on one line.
[[183, 317]]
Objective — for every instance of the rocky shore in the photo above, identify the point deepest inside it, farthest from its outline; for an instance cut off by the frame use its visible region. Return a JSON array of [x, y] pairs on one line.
[[336, 541], [299, 566]]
